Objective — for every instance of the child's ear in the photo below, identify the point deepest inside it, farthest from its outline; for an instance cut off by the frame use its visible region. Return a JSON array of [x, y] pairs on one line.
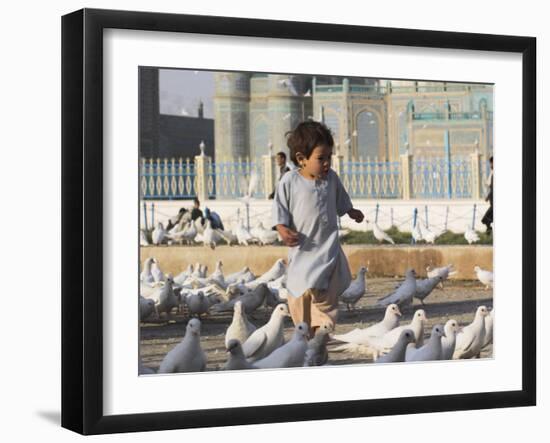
[[300, 157]]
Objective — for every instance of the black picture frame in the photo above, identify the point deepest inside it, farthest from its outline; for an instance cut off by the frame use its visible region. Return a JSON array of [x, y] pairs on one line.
[[82, 218]]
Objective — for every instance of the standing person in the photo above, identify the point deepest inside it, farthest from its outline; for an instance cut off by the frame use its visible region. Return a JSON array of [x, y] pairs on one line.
[[487, 219], [196, 211], [307, 203], [280, 158]]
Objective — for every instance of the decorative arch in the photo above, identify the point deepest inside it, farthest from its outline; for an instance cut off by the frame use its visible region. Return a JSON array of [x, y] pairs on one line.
[[370, 135]]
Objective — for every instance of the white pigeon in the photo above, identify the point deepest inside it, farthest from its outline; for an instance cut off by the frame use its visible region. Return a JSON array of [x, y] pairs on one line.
[[243, 236], [158, 275], [416, 232], [267, 237], [143, 238], [404, 293], [263, 341], [380, 235], [289, 355], [448, 342], [431, 235], [237, 360], [217, 276], [489, 320], [276, 271], [431, 350], [188, 355], [146, 276], [240, 328], [384, 344], [355, 290], [167, 299], [471, 235], [257, 229], [158, 234], [397, 353], [358, 337], [210, 237], [444, 272], [485, 277], [470, 340]]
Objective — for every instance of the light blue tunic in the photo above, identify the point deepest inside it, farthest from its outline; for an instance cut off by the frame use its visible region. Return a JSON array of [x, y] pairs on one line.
[[311, 208]]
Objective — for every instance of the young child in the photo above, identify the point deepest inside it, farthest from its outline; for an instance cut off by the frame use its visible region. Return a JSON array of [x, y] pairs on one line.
[[307, 203]]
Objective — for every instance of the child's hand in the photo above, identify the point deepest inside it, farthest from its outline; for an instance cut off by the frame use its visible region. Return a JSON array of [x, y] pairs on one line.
[[356, 214], [290, 237]]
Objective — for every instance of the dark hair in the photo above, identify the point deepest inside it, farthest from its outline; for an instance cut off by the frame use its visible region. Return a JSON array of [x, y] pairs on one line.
[[491, 159], [196, 200], [282, 154], [306, 137]]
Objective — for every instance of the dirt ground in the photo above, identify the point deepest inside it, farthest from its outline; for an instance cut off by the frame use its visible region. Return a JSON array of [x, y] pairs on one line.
[[459, 300]]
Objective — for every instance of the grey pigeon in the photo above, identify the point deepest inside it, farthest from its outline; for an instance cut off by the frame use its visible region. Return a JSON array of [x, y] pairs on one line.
[[317, 353], [197, 304], [361, 336], [167, 297], [355, 290], [236, 276], [263, 341], [449, 341], [289, 355], [158, 234], [431, 350], [146, 276], [426, 286], [470, 340], [404, 294], [187, 356], [240, 328], [184, 275], [146, 307], [236, 359], [251, 301], [397, 353]]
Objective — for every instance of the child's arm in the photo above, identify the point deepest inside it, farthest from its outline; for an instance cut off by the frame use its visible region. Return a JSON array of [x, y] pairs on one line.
[[290, 237], [356, 214], [281, 215]]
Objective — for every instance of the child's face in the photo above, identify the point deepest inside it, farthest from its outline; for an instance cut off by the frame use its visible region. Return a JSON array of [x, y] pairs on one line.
[[318, 163]]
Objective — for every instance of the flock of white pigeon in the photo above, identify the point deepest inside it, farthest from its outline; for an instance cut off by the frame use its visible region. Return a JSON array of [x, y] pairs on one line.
[[188, 232], [198, 294]]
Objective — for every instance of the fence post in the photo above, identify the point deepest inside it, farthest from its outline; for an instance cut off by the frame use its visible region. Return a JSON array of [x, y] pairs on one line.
[[153, 215], [145, 214], [406, 175], [376, 215], [476, 175], [201, 171], [415, 216], [338, 164], [269, 174], [474, 218], [447, 142], [426, 212]]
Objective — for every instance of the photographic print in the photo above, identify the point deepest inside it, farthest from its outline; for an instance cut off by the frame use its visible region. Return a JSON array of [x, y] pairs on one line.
[[299, 220]]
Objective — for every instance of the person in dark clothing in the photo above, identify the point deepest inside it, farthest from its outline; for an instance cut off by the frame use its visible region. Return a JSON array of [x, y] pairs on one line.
[[215, 219], [281, 163], [487, 219], [196, 212]]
